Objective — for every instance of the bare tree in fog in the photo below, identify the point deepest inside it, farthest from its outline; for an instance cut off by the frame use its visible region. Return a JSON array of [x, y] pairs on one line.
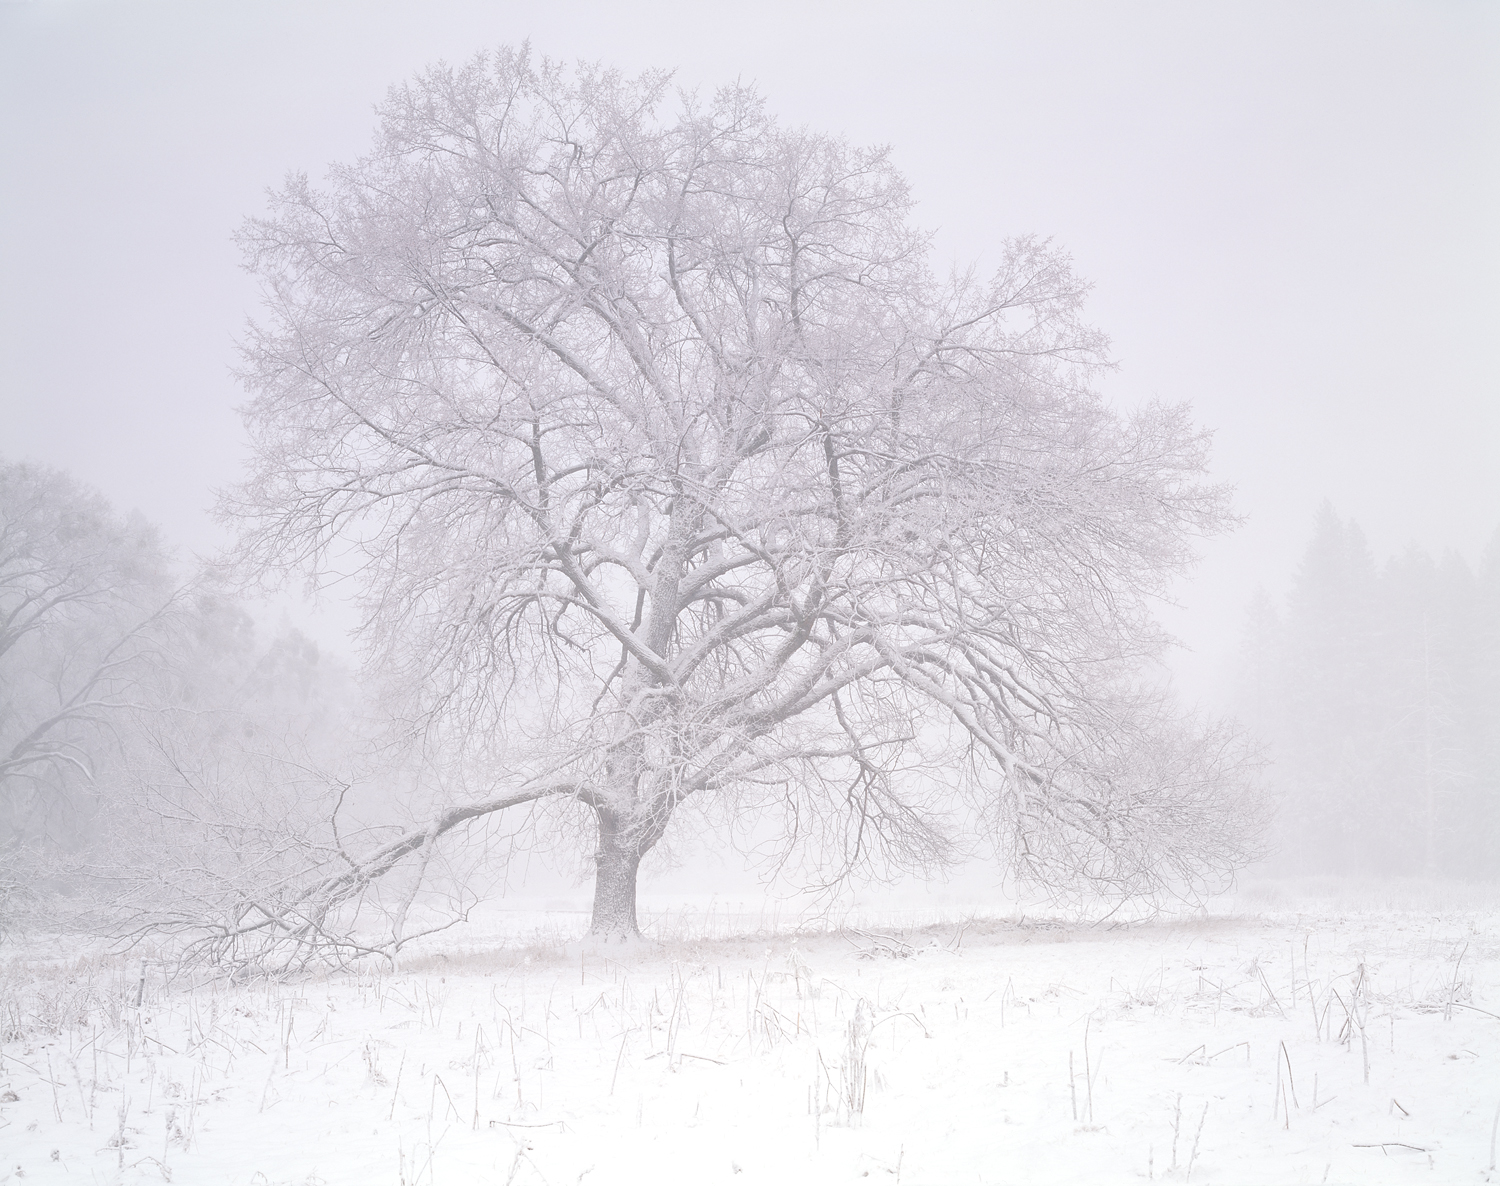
[[84, 596], [675, 477], [157, 762]]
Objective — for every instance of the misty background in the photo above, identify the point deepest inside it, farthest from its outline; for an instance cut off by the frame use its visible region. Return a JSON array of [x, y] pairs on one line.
[[1287, 212]]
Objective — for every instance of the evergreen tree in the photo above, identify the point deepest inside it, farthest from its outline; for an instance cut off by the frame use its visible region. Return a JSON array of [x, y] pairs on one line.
[[1378, 695], [1484, 831], [1326, 739]]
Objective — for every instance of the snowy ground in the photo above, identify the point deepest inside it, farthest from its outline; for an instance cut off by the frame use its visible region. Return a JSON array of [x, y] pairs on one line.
[[1292, 1043]]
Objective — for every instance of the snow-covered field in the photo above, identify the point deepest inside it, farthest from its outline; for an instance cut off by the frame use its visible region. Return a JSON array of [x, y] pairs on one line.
[[1281, 1042]]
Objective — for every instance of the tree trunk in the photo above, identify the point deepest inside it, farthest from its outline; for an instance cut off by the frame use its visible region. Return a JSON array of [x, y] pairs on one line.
[[618, 859]]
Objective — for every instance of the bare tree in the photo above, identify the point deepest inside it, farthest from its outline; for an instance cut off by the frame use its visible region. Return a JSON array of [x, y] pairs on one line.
[[83, 599], [155, 760], [674, 476]]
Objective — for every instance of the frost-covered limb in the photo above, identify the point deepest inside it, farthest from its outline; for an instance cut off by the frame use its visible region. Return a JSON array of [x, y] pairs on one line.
[[294, 897]]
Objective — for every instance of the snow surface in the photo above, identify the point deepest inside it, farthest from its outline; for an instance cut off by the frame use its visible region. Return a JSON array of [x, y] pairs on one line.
[[1217, 1049]]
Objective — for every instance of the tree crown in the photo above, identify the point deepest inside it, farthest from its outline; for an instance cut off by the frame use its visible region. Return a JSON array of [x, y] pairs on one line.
[[672, 469]]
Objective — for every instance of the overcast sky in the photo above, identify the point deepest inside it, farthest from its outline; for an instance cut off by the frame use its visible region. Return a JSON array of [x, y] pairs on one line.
[[1289, 212]]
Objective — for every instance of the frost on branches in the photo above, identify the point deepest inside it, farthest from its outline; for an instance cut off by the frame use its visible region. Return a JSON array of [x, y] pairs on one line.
[[676, 479]]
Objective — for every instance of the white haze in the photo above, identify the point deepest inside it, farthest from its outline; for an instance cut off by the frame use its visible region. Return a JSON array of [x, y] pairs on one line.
[[1287, 212]]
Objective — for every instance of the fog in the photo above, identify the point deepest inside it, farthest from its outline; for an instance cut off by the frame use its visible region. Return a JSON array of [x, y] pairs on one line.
[[974, 509], [1287, 214]]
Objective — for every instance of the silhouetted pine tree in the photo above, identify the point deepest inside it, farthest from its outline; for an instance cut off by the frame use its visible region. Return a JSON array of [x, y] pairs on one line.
[[1484, 834]]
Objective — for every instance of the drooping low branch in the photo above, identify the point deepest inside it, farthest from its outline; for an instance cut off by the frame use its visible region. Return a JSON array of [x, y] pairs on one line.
[[383, 860], [277, 930]]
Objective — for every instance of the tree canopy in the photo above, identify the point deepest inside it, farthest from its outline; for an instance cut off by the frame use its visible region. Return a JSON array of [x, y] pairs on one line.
[[673, 475]]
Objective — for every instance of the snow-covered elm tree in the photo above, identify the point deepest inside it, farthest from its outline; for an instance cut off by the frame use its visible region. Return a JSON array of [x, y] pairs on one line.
[[673, 474]]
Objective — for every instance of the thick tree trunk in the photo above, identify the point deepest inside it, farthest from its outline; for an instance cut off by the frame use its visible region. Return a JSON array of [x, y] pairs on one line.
[[617, 860]]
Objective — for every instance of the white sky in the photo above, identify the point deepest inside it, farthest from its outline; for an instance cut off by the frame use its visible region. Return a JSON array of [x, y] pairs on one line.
[[1289, 212]]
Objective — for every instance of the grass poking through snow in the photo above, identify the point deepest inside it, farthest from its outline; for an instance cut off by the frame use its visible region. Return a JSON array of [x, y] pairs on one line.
[[1338, 1045]]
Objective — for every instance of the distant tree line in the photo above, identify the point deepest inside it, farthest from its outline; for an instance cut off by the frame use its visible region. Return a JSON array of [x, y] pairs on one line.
[[1378, 691]]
